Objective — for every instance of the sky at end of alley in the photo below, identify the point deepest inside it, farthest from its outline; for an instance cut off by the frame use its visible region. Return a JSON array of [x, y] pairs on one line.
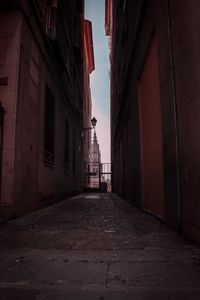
[[99, 79]]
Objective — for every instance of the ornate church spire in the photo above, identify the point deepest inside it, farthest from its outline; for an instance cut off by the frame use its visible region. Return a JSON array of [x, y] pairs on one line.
[[95, 153], [95, 141]]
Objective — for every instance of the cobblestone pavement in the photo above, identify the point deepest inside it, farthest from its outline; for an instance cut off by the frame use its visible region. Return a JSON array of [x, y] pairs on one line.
[[95, 246]]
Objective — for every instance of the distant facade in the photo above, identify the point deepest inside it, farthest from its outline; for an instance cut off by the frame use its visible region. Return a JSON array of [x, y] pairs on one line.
[[41, 102], [155, 108]]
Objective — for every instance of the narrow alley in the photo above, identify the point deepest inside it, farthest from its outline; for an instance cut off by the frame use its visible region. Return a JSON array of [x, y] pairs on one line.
[[95, 246], [99, 150]]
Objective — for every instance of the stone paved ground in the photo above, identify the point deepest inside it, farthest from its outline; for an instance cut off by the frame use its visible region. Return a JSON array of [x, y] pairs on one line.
[[95, 246]]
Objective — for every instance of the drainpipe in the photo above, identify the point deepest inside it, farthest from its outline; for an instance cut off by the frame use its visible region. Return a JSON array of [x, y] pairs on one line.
[[2, 112], [174, 99]]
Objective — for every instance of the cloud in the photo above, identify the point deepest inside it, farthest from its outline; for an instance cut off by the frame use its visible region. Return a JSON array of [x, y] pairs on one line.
[[100, 87]]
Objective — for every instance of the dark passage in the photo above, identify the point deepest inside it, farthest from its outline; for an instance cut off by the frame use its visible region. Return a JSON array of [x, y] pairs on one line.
[[95, 246]]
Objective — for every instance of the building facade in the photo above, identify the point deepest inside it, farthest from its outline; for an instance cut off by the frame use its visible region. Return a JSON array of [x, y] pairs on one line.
[[41, 97], [155, 108], [89, 67]]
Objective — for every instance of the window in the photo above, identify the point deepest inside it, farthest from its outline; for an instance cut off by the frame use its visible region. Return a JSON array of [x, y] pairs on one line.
[[74, 152], [2, 111], [125, 5], [51, 12], [66, 146], [49, 128]]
